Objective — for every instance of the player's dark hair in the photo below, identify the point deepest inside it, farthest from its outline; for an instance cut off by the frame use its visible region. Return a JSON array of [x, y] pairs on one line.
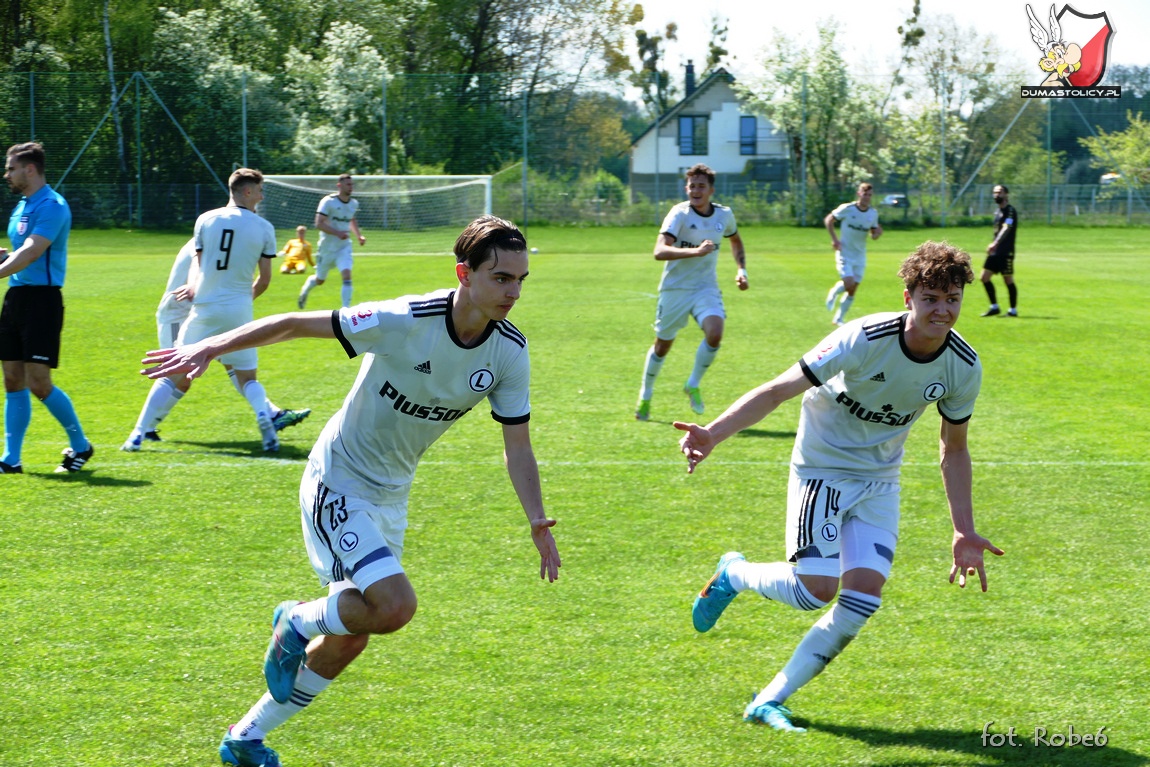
[[700, 169], [1003, 187], [27, 153], [244, 177], [482, 236], [342, 176], [937, 266], [866, 187]]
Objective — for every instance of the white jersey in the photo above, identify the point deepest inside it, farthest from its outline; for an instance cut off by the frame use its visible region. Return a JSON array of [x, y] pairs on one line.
[[339, 216], [869, 391], [856, 226], [170, 310], [690, 228], [231, 241], [415, 381]]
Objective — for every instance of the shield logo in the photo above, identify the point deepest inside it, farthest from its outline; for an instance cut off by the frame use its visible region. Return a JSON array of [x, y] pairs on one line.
[[22, 226], [1093, 34]]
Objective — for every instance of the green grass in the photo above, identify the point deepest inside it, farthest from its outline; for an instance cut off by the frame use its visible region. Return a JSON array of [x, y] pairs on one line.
[[137, 594]]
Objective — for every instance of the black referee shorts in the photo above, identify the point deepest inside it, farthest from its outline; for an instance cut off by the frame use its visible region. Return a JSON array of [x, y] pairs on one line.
[[30, 324]]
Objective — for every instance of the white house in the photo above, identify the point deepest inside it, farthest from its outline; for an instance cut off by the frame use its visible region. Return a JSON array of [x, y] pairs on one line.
[[709, 126]]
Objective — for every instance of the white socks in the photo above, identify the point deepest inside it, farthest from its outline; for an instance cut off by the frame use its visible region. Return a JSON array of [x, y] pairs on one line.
[[773, 580], [162, 397], [704, 356], [266, 714], [650, 373], [345, 293], [258, 399], [825, 640], [321, 616], [844, 307]]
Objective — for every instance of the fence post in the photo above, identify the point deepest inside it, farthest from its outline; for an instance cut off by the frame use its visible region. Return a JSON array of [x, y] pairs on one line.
[[383, 121], [803, 163], [244, 113], [139, 161], [526, 106], [32, 105]]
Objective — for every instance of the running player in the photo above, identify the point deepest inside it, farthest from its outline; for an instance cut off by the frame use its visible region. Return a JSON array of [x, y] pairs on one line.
[[858, 219], [428, 360], [171, 315], [689, 243], [334, 219], [864, 386]]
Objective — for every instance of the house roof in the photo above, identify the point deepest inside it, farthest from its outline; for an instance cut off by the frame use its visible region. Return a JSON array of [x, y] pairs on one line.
[[719, 75]]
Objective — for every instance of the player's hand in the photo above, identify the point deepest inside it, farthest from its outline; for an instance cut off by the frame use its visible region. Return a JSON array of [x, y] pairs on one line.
[[741, 281], [184, 293], [705, 247], [990, 249], [837, 244], [362, 240], [191, 361], [343, 235], [968, 558], [549, 563], [696, 445]]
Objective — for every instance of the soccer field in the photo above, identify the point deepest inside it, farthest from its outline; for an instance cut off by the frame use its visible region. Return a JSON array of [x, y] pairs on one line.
[[137, 594]]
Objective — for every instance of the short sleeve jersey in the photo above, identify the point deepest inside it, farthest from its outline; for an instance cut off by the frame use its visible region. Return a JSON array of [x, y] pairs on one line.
[[170, 309], [690, 228], [1005, 216], [47, 215], [231, 241], [868, 392], [339, 215], [856, 226], [416, 380]]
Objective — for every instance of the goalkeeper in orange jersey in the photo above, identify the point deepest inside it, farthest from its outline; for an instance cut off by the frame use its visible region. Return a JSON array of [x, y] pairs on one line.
[[297, 253]]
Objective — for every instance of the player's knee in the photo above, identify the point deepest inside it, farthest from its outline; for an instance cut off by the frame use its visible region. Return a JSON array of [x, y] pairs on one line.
[[392, 615], [822, 588]]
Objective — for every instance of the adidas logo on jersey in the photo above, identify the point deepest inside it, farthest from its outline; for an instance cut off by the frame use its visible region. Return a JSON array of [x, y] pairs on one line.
[[424, 367], [880, 377]]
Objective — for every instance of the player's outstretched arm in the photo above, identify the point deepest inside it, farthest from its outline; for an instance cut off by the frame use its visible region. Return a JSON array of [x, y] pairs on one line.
[[192, 360], [523, 470], [748, 410], [967, 546]]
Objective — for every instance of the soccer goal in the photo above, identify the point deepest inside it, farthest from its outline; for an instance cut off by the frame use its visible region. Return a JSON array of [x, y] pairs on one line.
[[395, 203]]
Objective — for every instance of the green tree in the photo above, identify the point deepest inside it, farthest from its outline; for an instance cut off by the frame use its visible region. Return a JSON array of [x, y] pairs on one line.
[[839, 114], [1126, 152]]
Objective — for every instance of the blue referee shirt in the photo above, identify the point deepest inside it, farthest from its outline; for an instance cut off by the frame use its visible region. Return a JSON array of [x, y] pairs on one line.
[[46, 214]]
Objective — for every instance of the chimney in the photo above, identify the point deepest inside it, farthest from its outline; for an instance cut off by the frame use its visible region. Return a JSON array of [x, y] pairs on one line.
[[690, 80]]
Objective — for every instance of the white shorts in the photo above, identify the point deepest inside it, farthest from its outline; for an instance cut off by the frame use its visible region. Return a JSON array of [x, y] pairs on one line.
[[676, 306], [836, 525], [347, 538], [339, 259], [851, 266], [169, 319], [208, 320]]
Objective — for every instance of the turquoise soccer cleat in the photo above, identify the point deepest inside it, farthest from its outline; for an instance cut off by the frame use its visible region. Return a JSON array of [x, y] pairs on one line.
[[287, 651], [715, 596], [247, 753], [774, 715]]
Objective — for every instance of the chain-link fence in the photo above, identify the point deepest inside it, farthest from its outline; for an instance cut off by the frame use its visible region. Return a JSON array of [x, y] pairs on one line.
[[155, 149]]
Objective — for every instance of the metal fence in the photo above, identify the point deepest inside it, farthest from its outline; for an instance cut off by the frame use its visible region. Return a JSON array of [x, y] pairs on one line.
[[154, 149]]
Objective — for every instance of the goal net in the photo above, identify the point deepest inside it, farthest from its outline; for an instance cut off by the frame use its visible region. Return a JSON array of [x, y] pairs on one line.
[[395, 203]]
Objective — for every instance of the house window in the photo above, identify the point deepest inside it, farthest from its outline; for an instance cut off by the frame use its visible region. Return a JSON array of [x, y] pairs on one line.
[[693, 135], [748, 135]]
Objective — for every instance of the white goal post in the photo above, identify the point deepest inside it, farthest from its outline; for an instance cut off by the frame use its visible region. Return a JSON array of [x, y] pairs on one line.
[[396, 203]]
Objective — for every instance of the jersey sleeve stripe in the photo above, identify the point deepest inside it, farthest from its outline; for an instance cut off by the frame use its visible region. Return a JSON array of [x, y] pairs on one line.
[[512, 420], [948, 419], [814, 379], [431, 308], [883, 329], [338, 329], [513, 335], [962, 349]]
